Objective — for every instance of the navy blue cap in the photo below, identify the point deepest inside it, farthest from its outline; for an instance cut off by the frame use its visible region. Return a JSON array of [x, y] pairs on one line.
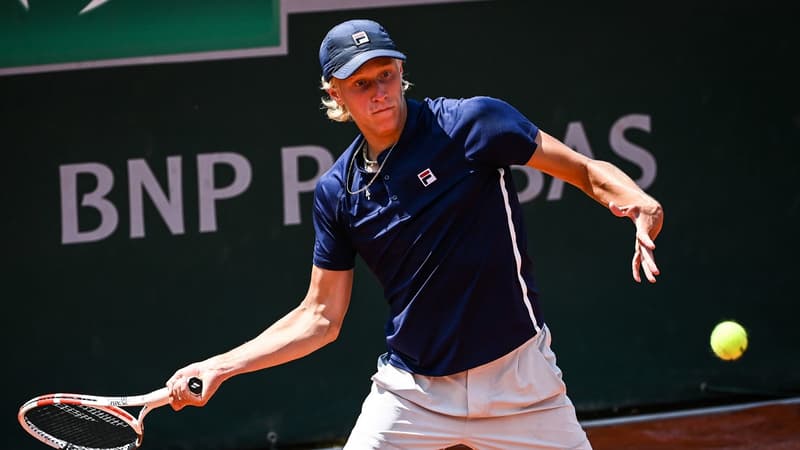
[[350, 44]]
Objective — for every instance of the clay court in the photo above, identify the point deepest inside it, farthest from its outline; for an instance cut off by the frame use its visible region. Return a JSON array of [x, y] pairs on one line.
[[770, 425]]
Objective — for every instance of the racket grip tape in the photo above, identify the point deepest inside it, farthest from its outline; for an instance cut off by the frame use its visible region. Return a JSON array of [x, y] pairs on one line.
[[195, 386]]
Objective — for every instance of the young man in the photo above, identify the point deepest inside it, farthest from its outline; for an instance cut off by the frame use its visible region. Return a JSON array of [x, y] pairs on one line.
[[424, 196]]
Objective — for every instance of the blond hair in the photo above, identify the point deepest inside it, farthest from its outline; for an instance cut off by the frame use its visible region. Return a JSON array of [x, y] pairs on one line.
[[337, 112]]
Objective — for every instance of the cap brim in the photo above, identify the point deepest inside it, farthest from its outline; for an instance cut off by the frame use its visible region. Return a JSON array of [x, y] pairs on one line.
[[351, 66]]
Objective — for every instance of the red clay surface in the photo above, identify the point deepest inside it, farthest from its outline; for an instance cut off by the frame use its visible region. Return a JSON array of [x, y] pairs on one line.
[[769, 427], [772, 427]]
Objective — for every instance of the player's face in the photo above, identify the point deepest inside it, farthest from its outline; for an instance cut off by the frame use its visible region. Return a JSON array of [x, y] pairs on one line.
[[374, 97]]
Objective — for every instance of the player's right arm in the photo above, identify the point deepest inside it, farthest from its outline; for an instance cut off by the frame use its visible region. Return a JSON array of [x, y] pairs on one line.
[[314, 323]]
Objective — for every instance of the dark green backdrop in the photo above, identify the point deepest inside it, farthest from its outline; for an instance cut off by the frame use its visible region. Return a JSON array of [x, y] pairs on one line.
[[119, 315]]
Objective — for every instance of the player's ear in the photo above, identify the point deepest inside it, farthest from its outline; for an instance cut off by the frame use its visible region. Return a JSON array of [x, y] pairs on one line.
[[333, 92]]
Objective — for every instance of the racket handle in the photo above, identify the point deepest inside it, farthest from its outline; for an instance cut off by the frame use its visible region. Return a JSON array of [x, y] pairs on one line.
[[195, 386]]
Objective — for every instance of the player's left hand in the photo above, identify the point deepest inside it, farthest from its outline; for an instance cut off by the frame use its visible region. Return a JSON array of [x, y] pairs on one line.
[[648, 221]]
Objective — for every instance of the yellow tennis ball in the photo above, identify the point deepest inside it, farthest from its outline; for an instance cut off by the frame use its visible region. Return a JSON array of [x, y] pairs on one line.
[[728, 340]]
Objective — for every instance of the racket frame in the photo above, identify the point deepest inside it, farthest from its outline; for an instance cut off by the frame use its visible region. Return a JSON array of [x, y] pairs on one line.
[[110, 405]]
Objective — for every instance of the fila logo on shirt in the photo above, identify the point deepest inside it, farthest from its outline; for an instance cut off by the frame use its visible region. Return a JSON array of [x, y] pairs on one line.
[[426, 177], [360, 38]]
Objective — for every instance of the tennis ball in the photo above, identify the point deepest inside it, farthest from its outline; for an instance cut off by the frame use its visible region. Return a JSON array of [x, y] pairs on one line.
[[728, 340]]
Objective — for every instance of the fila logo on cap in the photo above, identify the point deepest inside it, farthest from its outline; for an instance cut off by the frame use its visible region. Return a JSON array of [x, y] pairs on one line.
[[426, 177], [360, 38]]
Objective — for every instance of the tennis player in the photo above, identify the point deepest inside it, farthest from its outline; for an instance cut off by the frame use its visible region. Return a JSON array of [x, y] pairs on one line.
[[425, 197]]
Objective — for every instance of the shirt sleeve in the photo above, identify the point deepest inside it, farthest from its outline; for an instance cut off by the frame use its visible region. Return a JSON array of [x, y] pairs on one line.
[[333, 249], [496, 133]]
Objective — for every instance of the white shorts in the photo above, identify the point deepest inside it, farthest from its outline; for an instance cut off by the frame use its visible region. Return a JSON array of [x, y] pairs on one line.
[[518, 401]]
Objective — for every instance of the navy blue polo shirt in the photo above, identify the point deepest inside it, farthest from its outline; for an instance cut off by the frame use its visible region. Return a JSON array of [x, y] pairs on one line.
[[442, 230]]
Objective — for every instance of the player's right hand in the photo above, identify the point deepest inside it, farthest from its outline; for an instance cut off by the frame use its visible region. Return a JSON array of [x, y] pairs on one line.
[[178, 385]]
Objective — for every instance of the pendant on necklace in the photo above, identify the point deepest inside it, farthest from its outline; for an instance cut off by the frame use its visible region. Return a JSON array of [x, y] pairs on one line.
[[366, 193]]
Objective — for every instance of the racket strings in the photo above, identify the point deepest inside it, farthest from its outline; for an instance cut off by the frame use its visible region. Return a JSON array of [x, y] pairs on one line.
[[81, 427]]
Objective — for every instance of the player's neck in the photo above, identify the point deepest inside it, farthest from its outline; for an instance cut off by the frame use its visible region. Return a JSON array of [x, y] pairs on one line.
[[378, 144], [372, 151]]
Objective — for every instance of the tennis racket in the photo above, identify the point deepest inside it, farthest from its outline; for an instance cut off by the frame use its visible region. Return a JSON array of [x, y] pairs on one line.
[[88, 422]]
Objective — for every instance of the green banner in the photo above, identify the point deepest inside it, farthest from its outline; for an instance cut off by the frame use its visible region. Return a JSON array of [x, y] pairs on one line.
[[75, 31]]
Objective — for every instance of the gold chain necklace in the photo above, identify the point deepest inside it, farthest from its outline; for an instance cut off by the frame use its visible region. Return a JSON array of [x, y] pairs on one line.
[[351, 169]]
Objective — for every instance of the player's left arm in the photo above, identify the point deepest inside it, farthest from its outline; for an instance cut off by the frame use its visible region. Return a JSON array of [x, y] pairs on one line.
[[612, 188]]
